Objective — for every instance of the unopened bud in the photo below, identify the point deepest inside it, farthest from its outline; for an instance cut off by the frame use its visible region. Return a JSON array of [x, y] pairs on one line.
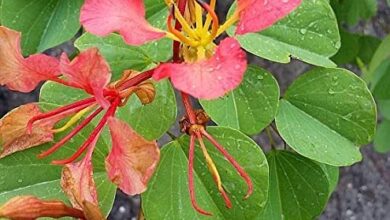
[[146, 92]]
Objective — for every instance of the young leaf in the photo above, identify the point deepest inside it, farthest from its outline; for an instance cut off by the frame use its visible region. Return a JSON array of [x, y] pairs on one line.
[[251, 106], [168, 195], [44, 24], [381, 54], [24, 174], [326, 114], [384, 108], [310, 33], [298, 188], [381, 81], [382, 138]]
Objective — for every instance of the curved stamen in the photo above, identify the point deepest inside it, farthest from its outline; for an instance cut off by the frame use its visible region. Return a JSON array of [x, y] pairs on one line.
[[214, 17], [235, 164], [228, 23], [191, 177], [185, 26], [110, 112], [73, 120], [213, 170], [178, 34], [76, 105], [209, 18], [75, 131]]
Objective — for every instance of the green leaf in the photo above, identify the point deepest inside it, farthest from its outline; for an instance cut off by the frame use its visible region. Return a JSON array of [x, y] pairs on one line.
[[24, 174], [168, 195], [382, 137], [349, 49], [381, 82], [381, 54], [43, 23], [368, 46], [384, 108], [298, 188], [310, 33], [251, 106], [152, 120], [352, 12], [332, 173], [118, 54], [326, 114]]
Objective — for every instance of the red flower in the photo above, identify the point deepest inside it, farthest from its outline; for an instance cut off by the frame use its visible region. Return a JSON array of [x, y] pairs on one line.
[[27, 126], [208, 71]]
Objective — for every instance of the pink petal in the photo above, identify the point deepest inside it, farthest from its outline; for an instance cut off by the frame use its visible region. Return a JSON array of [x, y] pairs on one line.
[[132, 159], [18, 73], [101, 17], [90, 71], [78, 183], [212, 78], [257, 15]]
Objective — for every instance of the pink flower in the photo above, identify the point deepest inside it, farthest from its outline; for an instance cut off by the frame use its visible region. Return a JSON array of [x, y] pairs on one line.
[[207, 71], [127, 17]]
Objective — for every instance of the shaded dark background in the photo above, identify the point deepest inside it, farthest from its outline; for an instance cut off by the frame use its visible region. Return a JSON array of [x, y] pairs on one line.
[[363, 192]]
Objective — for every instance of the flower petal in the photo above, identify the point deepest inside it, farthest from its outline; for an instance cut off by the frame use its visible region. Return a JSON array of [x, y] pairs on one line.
[[101, 17], [78, 183], [212, 78], [13, 130], [90, 71], [18, 73], [132, 159], [30, 207], [257, 15]]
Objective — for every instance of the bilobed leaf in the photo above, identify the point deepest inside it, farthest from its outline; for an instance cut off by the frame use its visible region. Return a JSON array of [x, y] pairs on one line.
[[24, 174], [298, 188], [332, 173], [43, 23], [352, 12], [326, 114], [251, 106], [382, 137], [309, 33], [168, 195]]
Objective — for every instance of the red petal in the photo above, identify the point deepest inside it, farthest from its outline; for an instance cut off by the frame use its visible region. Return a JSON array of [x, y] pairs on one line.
[[78, 183], [257, 15], [132, 159], [212, 78], [18, 73], [127, 17], [90, 71], [13, 130]]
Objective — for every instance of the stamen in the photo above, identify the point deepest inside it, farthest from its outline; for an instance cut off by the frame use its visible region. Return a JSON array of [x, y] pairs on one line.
[[74, 119], [75, 131], [211, 12], [185, 26], [191, 177], [214, 171], [110, 112], [198, 17], [178, 34], [209, 18], [235, 164], [231, 21], [76, 105]]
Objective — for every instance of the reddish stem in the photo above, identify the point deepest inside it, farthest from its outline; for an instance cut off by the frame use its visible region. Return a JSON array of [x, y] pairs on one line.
[[188, 107], [76, 130], [82, 104], [235, 164], [110, 112], [136, 80], [191, 177]]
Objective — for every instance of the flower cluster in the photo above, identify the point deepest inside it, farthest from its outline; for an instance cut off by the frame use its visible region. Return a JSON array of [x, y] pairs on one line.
[[200, 67]]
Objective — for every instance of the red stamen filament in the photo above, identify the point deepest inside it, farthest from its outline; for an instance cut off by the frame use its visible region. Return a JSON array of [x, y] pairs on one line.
[[75, 131], [110, 112], [191, 177], [235, 164], [79, 104]]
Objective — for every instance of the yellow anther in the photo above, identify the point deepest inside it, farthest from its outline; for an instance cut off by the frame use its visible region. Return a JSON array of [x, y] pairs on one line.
[[73, 120], [210, 164]]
